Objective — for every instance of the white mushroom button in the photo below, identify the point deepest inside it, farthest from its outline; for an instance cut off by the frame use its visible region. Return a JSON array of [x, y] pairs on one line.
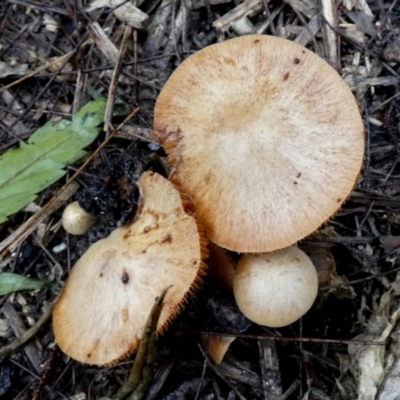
[[76, 221], [275, 289]]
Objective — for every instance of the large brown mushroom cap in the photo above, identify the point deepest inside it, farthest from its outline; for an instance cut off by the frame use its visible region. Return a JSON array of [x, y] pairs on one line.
[[108, 297], [265, 136]]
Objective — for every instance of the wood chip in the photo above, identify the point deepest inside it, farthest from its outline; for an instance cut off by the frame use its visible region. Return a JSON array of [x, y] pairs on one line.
[[105, 45], [247, 8]]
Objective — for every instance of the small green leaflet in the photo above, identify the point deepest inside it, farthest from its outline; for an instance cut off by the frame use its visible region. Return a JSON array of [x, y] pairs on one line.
[[37, 164], [10, 283]]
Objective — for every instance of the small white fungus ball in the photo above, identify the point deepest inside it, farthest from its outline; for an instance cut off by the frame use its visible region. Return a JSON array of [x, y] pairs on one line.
[[275, 289], [76, 220]]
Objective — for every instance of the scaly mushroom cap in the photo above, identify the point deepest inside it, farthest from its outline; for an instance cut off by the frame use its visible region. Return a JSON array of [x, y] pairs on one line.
[[275, 289], [102, 312], [265, 136]]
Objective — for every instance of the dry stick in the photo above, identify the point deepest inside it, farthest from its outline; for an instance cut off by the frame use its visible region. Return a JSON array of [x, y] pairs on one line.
[[290, 390], [146, 347], [36, 71], [203, 373], [362, 280], [220, 374], [293, 339], [39, 95], [45, 376], [47, 8], [37, 217], [114, 81], [8, 350], [304, 22], [360, 46], [19, 327], [382, 22], [384, 103], [81, 80], [135, 65], [331, 46], [271, 376], [173, 28], [269, 17]]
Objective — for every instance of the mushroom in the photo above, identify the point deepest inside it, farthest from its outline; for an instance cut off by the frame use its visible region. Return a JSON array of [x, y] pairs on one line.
[[275, 289], [218, 346], [75, 220], [266, 138], [111, 290]]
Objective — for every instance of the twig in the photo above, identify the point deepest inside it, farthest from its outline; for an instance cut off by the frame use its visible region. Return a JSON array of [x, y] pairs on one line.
[[114, 81], [294, 339], [43, 67], [19, 328], [330, 39], [47, 8], [203, 374], [271, 377], [142, 366], [10, 349], [216, 370]]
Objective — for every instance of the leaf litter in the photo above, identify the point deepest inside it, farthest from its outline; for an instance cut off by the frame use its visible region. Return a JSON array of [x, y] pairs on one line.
[[41, 161]]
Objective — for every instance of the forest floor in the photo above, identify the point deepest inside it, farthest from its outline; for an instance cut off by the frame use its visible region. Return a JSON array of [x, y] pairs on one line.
[[55, 56]]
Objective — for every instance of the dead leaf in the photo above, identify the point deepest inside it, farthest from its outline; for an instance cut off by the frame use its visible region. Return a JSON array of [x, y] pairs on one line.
[[6, 70]]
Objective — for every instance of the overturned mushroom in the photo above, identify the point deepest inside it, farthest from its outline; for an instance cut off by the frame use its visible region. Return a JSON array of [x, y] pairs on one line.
[[103, 309], [265, 136], [275, 289]]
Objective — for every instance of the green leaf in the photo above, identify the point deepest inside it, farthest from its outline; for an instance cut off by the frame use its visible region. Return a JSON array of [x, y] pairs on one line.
[[37, 164], [10, 283]]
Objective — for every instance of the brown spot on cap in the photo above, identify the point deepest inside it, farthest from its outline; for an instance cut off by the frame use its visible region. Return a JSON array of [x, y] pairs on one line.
[[296, 60], [286, 76], [125, 278], [167, 238]]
